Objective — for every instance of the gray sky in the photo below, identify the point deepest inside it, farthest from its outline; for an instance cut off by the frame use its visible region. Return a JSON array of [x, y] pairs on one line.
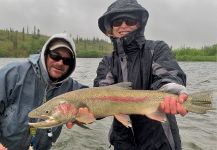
[[178, 22]]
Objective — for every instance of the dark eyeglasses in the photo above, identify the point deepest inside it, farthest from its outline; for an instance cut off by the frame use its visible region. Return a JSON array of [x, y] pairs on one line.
[[57, 57], [128, 21]]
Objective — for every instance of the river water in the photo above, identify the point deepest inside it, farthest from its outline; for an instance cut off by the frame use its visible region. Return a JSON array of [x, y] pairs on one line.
[[198, 132]]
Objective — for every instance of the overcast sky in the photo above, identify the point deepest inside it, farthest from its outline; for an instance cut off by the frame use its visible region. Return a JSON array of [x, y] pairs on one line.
[[178, 22]]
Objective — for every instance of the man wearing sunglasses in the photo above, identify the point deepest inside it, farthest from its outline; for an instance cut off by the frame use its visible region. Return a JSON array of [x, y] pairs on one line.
[[149, 65], [27, 85]]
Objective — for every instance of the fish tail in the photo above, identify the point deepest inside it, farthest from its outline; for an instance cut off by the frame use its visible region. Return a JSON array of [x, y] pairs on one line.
[[201, 102]]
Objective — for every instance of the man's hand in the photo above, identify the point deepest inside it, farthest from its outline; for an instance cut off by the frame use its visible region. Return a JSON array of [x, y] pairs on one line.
[[2, 147], [69, 125], [173, 106]]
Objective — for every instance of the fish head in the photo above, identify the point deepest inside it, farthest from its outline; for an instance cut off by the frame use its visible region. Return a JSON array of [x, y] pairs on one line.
[[54, 113]]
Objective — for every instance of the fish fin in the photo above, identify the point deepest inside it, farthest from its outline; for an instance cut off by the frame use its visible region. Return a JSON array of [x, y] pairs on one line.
[[124, 119], [82, 125], [157, 115], [85, 116], [200, 102], [122, 85]]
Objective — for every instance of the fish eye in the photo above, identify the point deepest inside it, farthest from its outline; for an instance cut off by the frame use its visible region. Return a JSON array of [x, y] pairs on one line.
[[47, 112]]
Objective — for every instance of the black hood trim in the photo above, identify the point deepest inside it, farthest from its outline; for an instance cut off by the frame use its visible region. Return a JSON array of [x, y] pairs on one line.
[[122, 6]]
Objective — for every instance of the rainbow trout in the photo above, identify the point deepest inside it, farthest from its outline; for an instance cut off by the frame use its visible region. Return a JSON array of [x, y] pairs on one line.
[[117, 100]]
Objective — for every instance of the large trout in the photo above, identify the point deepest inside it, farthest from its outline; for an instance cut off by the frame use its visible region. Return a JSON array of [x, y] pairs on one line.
[[116, 100]]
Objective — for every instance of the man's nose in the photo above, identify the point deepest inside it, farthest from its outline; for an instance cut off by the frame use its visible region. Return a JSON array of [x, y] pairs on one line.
[[123, 24], [60, 62]]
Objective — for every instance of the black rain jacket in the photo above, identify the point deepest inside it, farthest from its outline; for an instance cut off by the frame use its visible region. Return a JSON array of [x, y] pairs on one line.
[[148, 65]]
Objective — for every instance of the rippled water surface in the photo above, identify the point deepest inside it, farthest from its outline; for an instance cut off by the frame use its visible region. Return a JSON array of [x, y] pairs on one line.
[[198, 132]]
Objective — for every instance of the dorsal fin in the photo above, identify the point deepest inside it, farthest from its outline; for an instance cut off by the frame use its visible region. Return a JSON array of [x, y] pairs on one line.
[[122, 85]]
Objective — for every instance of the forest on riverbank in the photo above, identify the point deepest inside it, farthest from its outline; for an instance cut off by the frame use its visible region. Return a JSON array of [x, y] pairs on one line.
[[20, 44]]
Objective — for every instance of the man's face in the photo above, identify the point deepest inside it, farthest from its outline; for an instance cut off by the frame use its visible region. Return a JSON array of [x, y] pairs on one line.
[[123, 26], [58, 62]]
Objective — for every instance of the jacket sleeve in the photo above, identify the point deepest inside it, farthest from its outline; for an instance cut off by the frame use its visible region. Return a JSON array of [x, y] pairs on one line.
[[104, 76], [8, 83], [8, 79], [165, 68]]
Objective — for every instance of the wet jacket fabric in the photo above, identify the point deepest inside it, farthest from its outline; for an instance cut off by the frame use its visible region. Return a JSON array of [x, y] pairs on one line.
[[25, 85], [148, 65]]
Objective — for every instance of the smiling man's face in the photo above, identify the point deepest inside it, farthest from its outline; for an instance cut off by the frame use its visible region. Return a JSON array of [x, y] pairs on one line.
[[56, 67], [123, 26]]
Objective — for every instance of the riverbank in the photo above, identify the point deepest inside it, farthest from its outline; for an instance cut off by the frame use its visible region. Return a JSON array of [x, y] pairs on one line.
[[14, 44]]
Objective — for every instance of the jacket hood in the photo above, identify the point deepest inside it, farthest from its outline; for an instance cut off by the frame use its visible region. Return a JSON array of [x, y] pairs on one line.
[[119, 7], [45, 48]]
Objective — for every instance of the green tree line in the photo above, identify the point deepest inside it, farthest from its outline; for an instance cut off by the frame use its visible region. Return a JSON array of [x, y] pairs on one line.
[[24, 43], [208, 53], [20, 44]]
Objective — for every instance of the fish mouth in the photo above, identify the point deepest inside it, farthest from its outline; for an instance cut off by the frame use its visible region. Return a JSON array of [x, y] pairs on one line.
[[44, 117], [48, 122]]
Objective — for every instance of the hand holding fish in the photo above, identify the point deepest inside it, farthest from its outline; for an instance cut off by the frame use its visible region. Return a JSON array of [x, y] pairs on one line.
[[69, 125], [171, 105], [2, 147]]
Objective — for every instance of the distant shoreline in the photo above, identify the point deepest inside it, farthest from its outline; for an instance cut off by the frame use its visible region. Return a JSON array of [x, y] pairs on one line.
[[196, 59], [14, 44]]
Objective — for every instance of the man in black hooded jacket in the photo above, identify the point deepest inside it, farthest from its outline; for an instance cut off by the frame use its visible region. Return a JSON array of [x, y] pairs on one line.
[[149, 65]]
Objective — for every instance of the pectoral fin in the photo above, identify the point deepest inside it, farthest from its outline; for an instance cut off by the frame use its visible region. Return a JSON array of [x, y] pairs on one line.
[[121, 85], [158, 115], [124, 119], [85, 116], [82, 125]]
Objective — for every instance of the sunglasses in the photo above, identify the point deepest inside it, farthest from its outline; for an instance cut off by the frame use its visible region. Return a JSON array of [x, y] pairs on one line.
[[128, 21], [57, 57]]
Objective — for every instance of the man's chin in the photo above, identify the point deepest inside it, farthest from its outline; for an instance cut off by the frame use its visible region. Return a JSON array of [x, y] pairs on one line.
[[55, 76]]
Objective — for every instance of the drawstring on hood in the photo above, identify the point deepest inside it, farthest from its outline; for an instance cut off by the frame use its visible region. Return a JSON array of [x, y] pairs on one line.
[[45, 49]]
